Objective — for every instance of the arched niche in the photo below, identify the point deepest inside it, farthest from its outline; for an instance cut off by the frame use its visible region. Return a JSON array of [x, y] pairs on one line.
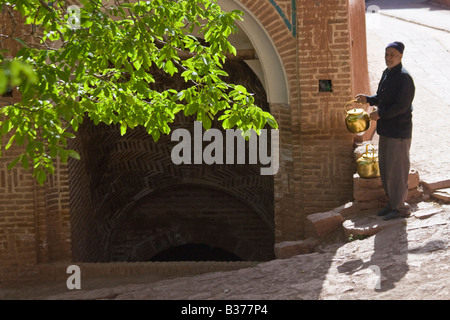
[[268, 65]]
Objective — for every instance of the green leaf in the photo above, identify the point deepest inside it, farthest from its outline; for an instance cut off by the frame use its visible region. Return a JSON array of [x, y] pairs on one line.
[[137, 64], [102, 71], [156, 135], [3, 82], [21, 42], [123, 128], [25, 162], [170, 68], [63, 155], [191, 109], [41, 177], [73, 154], [14, 162], [9, 144], [6, 126]]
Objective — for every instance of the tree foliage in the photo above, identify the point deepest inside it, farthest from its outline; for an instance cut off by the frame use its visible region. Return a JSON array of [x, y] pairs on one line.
[[95, 60]]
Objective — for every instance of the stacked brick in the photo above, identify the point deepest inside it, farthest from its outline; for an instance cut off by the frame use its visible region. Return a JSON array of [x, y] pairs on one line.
[[325, 145], [368, 194], [34, 220]]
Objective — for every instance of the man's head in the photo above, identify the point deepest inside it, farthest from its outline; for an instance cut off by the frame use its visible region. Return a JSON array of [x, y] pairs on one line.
[[394, 54]]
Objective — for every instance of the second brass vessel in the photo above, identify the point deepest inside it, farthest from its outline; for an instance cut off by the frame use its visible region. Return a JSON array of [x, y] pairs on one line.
[[367, 164]]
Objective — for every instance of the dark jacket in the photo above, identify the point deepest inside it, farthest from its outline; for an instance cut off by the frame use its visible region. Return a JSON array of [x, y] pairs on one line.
[[394, 100]]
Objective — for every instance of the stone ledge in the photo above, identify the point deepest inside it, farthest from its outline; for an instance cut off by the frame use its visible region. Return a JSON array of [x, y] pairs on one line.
[[56, 272], [367, 226], [426, 213], [360, 207], [442, 195], [323, 223], [430, 187], [287, 249], [371, 190]]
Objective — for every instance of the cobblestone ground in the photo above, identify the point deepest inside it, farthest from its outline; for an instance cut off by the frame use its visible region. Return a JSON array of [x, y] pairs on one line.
[[408, 260], [425, 31]]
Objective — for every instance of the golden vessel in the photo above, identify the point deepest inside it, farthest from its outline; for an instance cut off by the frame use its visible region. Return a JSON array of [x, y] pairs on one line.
[[367, 164], [357, 119]]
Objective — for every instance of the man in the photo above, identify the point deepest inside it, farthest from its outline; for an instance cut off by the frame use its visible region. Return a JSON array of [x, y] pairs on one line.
[[394, 126]]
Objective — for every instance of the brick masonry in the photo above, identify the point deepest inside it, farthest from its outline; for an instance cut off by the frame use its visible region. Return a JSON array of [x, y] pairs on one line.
[[84, 211]]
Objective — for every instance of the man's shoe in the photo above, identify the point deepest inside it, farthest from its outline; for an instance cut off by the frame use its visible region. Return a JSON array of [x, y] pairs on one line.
[[384, 211], [394, 214]]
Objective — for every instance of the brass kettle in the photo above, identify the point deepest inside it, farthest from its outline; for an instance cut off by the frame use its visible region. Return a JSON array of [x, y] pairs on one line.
[[367, 164], [357, 119]]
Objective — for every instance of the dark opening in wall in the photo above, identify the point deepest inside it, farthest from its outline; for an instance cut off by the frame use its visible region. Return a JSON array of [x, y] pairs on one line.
[[130, 202], [325, 86]]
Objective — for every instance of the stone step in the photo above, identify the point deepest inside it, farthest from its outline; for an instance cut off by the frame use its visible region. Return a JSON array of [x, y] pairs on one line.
[[442, 195], [323, 223], [430, 187], [370, 191], [287, 249], [320, 225], [426, 213], [367, 226]]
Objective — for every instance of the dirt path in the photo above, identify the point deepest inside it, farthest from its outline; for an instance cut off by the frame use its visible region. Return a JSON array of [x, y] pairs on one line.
[[426, 56]]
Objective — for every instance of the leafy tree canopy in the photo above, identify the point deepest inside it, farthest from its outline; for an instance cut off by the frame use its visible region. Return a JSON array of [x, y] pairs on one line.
[[95, 59]]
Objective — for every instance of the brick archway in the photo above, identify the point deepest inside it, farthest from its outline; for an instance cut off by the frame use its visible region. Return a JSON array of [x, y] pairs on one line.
[[267, 64], [188, 214], [117, 172]]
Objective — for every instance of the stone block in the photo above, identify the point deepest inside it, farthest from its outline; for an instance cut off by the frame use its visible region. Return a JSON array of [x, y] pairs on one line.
[[413, 179], [414, 195], [360, 207], [323, 223], [373, 183], [430, 187], [367, 226], [362, 194], [442, 195], [372, 189], [367, 189], [426, 213], [287, 249]]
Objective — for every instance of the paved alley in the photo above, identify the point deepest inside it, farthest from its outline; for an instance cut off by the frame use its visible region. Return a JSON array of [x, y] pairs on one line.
[[425, 31]]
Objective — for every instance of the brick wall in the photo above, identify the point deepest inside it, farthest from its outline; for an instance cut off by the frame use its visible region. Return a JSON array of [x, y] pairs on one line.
[[289, 214], [325, 145], [34, 220], [329, 46], [358, 53]]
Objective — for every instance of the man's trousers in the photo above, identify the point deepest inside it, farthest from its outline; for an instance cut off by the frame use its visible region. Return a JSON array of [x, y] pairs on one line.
[[393, 157]]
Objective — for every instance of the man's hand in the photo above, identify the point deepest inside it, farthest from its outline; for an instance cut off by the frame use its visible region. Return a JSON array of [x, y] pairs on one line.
[[374, 115], [361, 98]]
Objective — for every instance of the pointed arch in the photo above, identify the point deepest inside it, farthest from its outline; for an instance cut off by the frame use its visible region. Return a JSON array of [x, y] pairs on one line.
[[270, 68]]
